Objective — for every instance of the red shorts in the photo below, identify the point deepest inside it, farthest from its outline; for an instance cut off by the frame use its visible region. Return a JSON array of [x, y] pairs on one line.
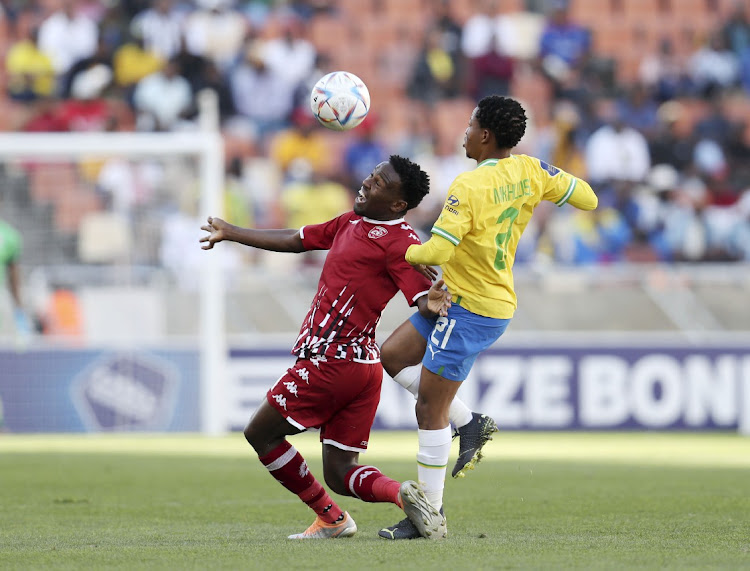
[[340, 397]]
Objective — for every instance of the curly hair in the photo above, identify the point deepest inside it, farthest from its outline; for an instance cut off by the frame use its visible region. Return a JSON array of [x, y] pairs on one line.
[[504, 117], [415, 183]]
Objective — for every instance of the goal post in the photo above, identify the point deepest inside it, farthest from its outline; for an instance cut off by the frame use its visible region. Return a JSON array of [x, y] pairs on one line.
[[205, 147]]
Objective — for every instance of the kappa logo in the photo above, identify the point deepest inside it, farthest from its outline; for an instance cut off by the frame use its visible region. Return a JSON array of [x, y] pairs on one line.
[[364, 475], [353, 221], [433, 351], [303, 469], [291, 386], [281, 400], [452, 200], [304, 375], [377, 232]]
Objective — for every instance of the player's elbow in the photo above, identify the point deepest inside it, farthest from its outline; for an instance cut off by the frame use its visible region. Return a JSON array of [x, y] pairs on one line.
[[592, 204]]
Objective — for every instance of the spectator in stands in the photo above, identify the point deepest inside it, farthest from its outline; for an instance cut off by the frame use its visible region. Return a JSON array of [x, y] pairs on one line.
[[714, 67], [31, 74], [736, 28], [363, 150], [44, 117], [434, 76], [487, 30], [291, 56], [616, 153], [487, 39], [263, 99], [311, 198], [566, 153], [67, 36], [215, 30], [303, 140], [673, 142], [163, 100], [131, 62], [102, 57], [160, 27], [87, 109], [638, 110], [450, 30], [664, 73], [564, 46]]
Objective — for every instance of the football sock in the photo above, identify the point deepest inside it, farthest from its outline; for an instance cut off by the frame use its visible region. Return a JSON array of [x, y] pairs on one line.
[[408, 377], [290, 470], [432, 459], [459, 413], [369, 485]]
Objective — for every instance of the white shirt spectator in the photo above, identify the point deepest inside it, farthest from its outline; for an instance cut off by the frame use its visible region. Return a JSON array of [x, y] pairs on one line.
[[161, 29], [291, 58], [617, 154], [216, 34], [483, 33], [67, 38], [163, 95]]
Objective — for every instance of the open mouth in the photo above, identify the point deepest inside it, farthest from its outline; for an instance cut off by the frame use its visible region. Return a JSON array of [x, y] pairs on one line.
[[360, 197]]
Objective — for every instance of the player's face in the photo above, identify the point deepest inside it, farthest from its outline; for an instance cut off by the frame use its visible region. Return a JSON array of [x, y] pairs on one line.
[[380, 194], [472, 136]]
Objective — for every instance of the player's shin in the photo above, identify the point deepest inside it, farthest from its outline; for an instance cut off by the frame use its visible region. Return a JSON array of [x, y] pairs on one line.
[[432, 459], [370, 485], [290, 469]]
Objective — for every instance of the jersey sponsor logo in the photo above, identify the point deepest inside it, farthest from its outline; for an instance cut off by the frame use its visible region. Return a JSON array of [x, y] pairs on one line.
[[377, 232], [552, 170], [452, 200]]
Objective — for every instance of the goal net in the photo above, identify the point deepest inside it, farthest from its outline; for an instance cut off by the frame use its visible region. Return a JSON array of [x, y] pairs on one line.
[[110, 259]]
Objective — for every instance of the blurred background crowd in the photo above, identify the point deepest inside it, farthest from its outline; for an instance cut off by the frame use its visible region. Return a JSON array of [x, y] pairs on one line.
[[649, 100]]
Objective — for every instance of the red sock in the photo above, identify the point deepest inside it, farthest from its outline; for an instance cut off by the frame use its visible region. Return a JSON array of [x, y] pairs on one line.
[[290, 470], [370, 485]]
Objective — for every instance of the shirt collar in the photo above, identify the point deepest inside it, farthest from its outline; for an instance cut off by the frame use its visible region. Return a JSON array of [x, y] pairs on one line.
[[384, 222]]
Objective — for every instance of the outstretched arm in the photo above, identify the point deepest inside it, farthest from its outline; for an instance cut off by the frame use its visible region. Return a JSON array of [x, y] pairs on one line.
[[287, 240], [583, 196]]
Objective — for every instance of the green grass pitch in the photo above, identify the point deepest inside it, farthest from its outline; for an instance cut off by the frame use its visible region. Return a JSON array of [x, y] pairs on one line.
[[537, 501]]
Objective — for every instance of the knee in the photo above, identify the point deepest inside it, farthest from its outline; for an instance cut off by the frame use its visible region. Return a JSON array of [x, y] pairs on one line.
[[253, 435], [389, 357]]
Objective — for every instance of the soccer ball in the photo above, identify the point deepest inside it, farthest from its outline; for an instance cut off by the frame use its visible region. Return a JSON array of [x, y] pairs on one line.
[[340, 100]]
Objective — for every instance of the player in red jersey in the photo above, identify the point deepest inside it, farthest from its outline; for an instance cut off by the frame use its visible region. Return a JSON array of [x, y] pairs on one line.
[[335, 383]]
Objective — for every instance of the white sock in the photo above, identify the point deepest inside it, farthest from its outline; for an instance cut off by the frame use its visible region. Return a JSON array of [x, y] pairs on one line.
[[459, 413], [408, 377], [432, 460]]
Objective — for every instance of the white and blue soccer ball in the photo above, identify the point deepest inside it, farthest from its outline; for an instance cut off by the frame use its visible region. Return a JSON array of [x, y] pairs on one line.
[[340, 100]]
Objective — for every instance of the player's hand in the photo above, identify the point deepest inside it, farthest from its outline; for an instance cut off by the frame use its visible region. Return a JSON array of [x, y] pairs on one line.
[[438, 299], [217, 232], [427, 271]]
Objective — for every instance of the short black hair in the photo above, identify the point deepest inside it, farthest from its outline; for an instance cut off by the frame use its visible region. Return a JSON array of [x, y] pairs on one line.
[[415, 183], [504, 117]]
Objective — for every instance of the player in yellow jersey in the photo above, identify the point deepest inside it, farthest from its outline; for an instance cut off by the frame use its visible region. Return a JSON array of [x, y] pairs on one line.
[[474, 240]]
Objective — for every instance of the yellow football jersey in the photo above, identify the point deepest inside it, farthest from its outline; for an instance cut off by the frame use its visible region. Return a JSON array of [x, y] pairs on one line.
[[486, 212]]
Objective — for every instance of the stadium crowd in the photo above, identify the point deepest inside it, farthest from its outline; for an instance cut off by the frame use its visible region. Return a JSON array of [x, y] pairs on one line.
[[667, 147]]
